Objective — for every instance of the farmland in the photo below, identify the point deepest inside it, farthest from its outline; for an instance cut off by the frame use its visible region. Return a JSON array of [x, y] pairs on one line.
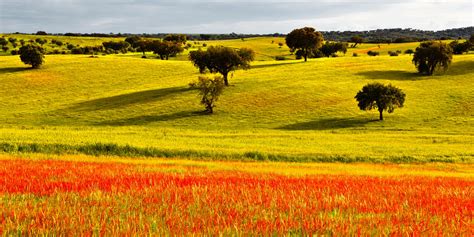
[[117, 144]]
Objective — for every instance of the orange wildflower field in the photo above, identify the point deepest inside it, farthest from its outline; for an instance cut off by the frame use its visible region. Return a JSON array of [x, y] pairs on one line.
[[80, 195]]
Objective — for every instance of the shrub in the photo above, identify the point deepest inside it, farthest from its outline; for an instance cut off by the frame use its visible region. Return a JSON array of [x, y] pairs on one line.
[[409, 51], [391, 53], [373, 53], [280, 58], [460, 48], [3, 42], [57, 42], [14, 52], [355, 55], [77, 51], [41, 41]]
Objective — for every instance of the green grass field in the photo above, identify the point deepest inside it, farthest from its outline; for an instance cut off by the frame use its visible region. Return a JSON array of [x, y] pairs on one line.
[[279, 110]]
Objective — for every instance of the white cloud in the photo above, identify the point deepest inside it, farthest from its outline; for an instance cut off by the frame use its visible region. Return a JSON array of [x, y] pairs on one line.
[[224, 16]]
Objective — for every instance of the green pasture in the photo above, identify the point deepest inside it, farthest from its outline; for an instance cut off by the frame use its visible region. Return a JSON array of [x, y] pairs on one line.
[[277, 110]]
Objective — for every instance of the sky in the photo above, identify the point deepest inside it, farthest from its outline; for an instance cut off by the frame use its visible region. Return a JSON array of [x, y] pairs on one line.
[[226, 16]]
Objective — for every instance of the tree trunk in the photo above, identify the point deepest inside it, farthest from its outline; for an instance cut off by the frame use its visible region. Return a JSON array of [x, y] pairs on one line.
[[381, 115], [209, 109], [432, 68], [226, 82], [305, 55]]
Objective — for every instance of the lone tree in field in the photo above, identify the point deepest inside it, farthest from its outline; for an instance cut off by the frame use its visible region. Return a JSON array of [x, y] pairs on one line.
[[380, 97], [210, 90], [223, 60], [356, 40], [304, 41], [32, 55], [430, 56]]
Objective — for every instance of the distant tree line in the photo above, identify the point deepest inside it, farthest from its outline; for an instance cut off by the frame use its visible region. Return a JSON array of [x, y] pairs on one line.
[[396, 35], [399, 35]]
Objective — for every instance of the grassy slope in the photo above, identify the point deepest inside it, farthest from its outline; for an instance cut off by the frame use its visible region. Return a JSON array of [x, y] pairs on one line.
[[288, 108]]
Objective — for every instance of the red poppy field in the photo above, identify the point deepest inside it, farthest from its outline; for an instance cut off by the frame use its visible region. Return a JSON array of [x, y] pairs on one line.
[[94, 196]]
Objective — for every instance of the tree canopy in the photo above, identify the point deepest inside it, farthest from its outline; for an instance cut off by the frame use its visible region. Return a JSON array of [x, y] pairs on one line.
[[380, 97], [330, 48], [304, 41], [210, 90], [430, 56], [356, 40], [460, 48], [177, 38], [219, 59], [32, 55], [165, 49]]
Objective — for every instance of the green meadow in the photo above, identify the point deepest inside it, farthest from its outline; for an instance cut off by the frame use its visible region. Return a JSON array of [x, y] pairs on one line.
[[278, 110]]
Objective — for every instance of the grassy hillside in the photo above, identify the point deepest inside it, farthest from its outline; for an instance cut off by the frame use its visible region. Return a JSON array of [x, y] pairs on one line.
[[285, 110]]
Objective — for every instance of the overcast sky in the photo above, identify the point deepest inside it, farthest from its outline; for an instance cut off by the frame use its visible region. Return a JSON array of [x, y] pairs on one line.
[[226, 16]]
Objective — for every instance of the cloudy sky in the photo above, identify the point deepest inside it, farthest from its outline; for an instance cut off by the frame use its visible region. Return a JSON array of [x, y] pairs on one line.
[[226, 16]]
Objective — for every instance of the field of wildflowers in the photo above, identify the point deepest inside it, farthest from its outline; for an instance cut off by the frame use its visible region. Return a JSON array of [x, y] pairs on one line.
[[94, 196]]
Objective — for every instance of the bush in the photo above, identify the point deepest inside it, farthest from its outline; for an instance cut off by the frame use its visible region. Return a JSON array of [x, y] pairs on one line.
[[355, 55], [409, 51], [41, 41], [77, 51], [460, 48], [373, 53], [57, 42], [32, 54], [391, 53], [280, 58], [14, 52]]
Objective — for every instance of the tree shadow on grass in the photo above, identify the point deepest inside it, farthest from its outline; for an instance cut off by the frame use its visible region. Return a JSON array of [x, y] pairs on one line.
[[329, 124], [274, 64], [455, 69], [460, 68], [118, 101], [391, 75], [14, 69], [146, 119]]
